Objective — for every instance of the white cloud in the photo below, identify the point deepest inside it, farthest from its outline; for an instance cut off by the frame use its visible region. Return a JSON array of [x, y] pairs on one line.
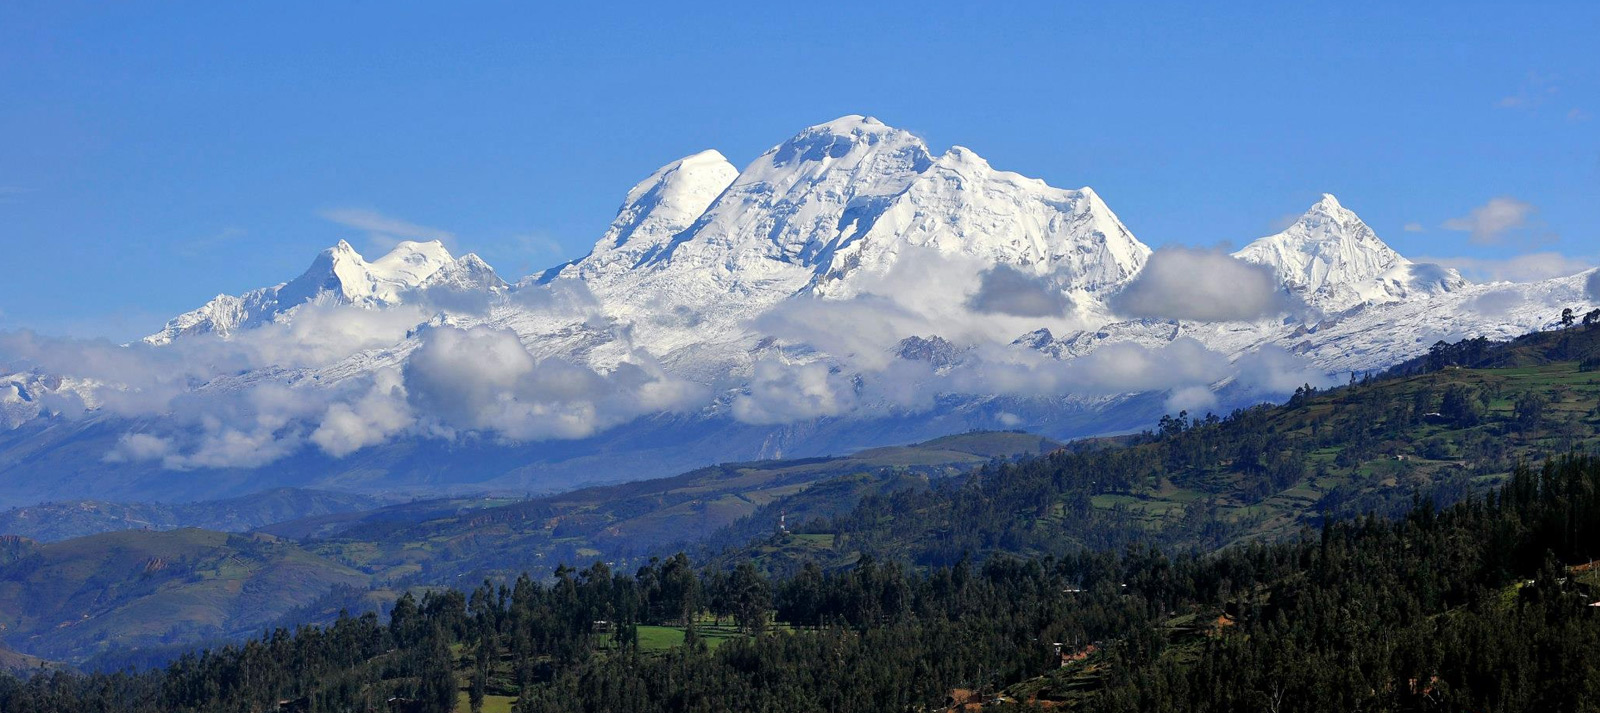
[[367, 421], [1414, 227], [1274, 371], [1112, 369], [482, 380], [925, 293], [790, 392], [784, 393], [1496, 303], [1490, 223], [1530, 267], [1283, 222], [138, 447], [1003, 289], [862, 331], [1201, 285], [1534, 91], [1194, 399]]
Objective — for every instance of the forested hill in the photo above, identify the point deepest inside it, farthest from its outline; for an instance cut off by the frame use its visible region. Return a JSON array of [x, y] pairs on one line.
[[1484, 605], [1434, 429]]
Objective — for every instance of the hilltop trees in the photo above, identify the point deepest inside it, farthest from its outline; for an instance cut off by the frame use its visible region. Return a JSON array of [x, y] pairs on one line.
[[1427, 612]]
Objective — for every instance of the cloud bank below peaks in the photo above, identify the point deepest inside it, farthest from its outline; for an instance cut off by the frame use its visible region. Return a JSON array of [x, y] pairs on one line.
[[937, 326], [482, 380], [247, 400]]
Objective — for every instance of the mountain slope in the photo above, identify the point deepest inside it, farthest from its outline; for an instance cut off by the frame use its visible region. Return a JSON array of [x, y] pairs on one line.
[[105, 594], [1485, 604], [50, 522], [1440, 428], [338, 275], [74, 598], [783, 309]]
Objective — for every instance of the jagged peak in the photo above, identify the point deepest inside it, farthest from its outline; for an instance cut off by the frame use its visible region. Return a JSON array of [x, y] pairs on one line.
[[1329, 256], [466, 272], [1328, 223]]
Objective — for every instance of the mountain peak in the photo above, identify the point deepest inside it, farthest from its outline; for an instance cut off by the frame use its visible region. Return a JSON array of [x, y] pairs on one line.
[[849, 124], [845, 138], [962, 206], [411, 262], [654, 211], [801, 197], [468, 273], [338, 274], [1329, 256]]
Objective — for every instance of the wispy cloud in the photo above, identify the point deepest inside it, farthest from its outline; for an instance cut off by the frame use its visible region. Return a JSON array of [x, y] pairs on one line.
[[1283, 222], [204, 244], [537, 242], [1520, 268], [1414, 227], [1575, 115], [1532, 93], [384, 230], [1492, 222]]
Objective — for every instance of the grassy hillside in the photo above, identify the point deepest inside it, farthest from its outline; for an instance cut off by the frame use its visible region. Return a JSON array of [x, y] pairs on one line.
[[91, 597], [51, 522], [71, 599], [449, 540], [22, 664]]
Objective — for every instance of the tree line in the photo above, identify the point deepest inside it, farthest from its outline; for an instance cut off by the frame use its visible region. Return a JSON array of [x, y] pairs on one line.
[[1483, 605]]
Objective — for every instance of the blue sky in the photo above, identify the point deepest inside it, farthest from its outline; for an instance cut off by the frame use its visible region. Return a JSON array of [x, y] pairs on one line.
[[158, 154]]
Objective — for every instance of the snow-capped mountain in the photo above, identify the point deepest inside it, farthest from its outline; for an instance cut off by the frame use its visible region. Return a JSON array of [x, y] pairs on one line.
[[338, 275], [1334, 261], [838, 292]]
